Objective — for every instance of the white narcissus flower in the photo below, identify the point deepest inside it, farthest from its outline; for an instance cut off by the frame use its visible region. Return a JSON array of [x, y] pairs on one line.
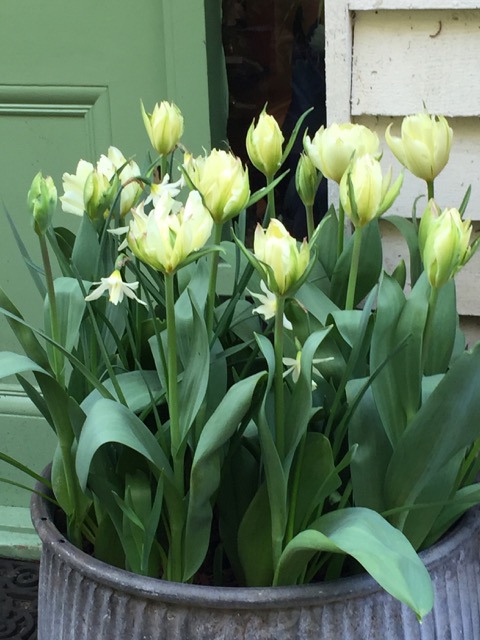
[[156, 190], [268, 306], [74, 186], [165, 237], [332, 148], [116, 288], [423, 146], [294, 367]]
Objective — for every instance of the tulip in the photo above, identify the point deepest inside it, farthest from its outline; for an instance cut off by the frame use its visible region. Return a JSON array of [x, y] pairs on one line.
[[282, 264], [164, 126], [264, 144], [444, 240], [97, 195], [424, 144], [372, 193], [165, 237], [332, 148], [73, 187], [42, 201], [223, 182], [116, 163], [306, 180]]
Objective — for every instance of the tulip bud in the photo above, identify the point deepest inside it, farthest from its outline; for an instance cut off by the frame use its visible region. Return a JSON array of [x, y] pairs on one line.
[[282, 264], [223, 183], [424, 144], [332, 148], [42, 201], [166, 237], [164, 126], [307, 179], [116, 163], [264, 144], [372, 194], [444, 240], [97, 195]]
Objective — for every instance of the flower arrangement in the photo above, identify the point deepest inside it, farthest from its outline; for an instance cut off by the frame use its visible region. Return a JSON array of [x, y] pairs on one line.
[[262, 412]]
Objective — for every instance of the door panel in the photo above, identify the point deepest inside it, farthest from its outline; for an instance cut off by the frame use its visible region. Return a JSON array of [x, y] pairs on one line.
[[72, 74]]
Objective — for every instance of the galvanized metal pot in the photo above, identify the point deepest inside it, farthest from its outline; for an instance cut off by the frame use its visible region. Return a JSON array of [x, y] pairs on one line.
[[81, 598]]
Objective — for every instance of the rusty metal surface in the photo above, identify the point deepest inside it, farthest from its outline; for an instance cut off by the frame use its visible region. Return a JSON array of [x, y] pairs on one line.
[[18, 599]]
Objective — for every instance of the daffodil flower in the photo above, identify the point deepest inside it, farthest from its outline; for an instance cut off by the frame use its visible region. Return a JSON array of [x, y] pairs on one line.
[[295, 366], [268, 306], [156, 190], [116, 288]]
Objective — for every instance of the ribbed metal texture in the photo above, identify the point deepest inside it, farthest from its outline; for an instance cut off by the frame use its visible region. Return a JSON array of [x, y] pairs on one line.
[[83, 599]]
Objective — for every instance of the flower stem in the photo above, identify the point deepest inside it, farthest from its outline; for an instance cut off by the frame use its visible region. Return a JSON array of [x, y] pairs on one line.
[[341, 229], [172, 375], [270, 213], [430, 189], [427, 334], [352, 278], [278, 381], [212, 287], [310, 222], [55, 331], [296, 483]]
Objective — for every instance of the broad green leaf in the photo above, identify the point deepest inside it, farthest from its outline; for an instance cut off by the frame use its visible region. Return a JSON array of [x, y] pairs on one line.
[[447, 422], [206, 468], [109, 421], [138, 388], [397, 389], [25, 336], [315, 301], [369, 465], [255, 541], [444, 331], [464, 499], [381, 549], [86, 250], [71, 304], [13, 363], [326, 245], [410, 234]]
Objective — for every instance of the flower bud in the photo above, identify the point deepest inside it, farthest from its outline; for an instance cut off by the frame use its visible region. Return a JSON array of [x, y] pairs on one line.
[[307, 180], [444, 240], [116, 163], [424, 144], [372, 194], [332, 148], [42, 201], [164, 126], [97, 195], [281, 261], [223, 183], [264, 144], [165, 237]]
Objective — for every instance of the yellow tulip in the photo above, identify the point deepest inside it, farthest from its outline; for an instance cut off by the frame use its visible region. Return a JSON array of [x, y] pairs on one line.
[[423, 146], [264, 144], [332, 148], [444, 240], [372, 193], [164, 126], [306, 180], [223, 182], [115, 162], [282, 262], [166, 237]]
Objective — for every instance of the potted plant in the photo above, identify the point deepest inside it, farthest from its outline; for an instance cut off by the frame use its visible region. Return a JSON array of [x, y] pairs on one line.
[[237, 416]]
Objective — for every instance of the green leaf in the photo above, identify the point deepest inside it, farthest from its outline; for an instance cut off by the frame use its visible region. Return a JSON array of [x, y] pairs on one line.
[[206, 468], [71, 305], [86, 250], [444, 330], [13, 363], [316, 302], [398, 387], [326, 245], [447, 422], [138, 388], [410, 233], [381, 549], [109, 421]]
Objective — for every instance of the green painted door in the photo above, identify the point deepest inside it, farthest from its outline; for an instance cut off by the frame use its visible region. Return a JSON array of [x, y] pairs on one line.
[[72, 73]]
